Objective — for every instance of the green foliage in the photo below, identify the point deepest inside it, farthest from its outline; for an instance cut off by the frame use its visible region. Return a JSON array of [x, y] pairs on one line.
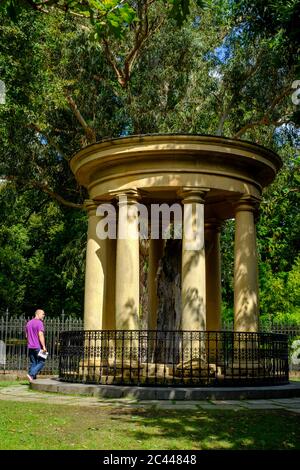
[[278, 242], [280, 293], [227, 250], [41, 256], [113, 16], [227, 314], [180, 9], [278, 18], [273, 298]]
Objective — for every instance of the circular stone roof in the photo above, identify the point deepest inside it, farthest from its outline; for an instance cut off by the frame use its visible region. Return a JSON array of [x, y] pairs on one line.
[[163, 161]]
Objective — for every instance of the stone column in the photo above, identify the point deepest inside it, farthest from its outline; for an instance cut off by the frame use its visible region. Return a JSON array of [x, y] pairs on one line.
[[193, 261], [127, 262], [94, 294], [156, 249], [245, 266], [94, 273], [109, 318], [213, 275]]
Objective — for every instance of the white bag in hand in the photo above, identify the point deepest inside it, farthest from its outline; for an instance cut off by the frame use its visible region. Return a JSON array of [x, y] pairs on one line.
[[42, 354]]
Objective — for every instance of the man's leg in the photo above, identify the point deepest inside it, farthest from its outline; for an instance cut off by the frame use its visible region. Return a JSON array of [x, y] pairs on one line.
[[40, 362], [33, 361]]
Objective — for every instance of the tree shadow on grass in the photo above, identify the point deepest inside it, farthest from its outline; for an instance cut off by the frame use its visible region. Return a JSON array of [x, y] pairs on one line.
[[213, 429]]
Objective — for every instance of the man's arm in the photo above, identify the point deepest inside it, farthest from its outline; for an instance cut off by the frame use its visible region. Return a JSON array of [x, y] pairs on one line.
[[42, 340]]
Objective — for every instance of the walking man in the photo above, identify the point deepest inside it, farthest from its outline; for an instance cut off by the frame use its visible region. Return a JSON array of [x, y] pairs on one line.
[[35, 342]]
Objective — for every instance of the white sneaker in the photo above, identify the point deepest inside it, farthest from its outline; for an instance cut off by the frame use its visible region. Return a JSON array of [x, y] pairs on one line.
[[30, 378]]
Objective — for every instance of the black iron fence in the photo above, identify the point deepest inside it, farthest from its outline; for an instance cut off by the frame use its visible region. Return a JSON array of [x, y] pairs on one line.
[[180, 358], [13, 346], [13, 350], [292, 330]]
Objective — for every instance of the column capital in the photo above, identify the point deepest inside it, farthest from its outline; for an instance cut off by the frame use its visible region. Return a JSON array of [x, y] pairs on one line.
[[190, 194], [213, 225], [90, 206], [247, 203], [132, 195]]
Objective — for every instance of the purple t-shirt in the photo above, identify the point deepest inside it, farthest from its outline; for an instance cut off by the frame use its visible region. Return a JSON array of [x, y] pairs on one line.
[[32, 330]]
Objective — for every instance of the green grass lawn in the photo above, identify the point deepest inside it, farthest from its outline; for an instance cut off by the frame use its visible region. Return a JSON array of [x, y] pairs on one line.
[[47, 426], [10, 383]]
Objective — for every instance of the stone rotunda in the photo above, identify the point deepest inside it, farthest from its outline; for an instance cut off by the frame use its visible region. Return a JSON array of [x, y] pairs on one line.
[[217, 178]]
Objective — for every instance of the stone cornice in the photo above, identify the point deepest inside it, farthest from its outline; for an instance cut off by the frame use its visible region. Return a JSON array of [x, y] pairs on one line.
[[110, 152], [169, 139], [153, 151], [164, 165]]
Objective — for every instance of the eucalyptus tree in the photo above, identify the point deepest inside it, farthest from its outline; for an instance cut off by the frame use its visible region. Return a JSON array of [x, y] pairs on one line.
[[71, 81], [78, 71]]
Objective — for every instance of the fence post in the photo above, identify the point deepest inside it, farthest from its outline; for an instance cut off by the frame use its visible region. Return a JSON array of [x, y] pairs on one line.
[[6, 331], [6, 324]]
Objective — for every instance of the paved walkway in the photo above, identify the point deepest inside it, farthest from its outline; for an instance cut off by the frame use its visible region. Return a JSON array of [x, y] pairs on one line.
[[23, 393]]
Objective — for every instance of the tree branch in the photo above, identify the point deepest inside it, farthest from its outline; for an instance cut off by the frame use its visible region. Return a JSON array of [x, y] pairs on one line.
[[45, 188], [262, 122], [37, 6], [89, 132], [56, 196], [111, 60], [40, 6], [265, 120], [141, 33], [247, 75], [225, 115]]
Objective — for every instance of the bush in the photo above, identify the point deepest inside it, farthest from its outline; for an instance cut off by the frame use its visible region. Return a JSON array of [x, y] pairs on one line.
[[280, 293]]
